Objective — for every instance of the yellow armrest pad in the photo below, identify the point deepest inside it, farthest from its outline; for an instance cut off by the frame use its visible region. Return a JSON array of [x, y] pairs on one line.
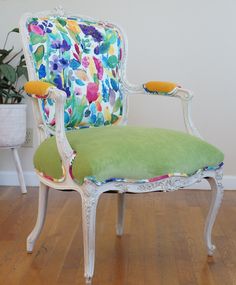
[[160, 86], [38, 89]]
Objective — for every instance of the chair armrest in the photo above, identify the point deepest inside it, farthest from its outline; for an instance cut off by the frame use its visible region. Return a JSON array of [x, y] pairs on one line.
[[168, 89], [161, 88], [38, 89], [44, 90]]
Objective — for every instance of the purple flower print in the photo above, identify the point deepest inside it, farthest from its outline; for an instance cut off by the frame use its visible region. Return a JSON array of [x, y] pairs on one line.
[[96, 50], [58, 82], [99, 67], [46, 26], [112, 97], [63, 46], [55, 64], [56, 44], [91, 31], [64, 62], [40, 28], [67, 90]]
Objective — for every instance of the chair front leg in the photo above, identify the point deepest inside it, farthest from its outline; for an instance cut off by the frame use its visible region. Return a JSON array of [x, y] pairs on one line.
[[89, 207], [42, 208], [120, 214], [217, 197]]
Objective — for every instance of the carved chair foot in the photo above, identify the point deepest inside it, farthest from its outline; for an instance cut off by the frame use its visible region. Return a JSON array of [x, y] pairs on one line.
[[119, 231], [29, 245], [211, 250], [88, 281]]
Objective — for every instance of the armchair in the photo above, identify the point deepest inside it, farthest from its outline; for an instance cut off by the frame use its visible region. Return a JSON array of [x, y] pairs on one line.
[[79, 90]]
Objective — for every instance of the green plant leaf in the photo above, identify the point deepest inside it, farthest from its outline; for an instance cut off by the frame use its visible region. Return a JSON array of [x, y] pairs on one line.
[[4, 85], [14, 56], [3, 92], [22, 58], [22, 70], [4, 53], [15, 30], [22, 61], [9, 72], [39, 53], [13, 98], [4, 96], [10, 92]]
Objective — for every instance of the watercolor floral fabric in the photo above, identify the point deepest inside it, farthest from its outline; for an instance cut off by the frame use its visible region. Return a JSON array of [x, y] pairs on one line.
[[83, 58]]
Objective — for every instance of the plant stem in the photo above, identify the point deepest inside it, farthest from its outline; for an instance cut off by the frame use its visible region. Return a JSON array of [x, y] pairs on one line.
[[6, 40]]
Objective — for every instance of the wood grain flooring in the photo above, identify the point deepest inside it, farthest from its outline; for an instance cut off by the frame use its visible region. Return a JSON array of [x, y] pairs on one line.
[[162, 243]]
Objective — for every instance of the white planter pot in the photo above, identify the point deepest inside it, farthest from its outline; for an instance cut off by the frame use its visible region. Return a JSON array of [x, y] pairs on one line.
[[12, 125]]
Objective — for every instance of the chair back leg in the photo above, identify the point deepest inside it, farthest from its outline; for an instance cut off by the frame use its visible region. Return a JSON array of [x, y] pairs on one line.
[[120, 214], [217, 197], [42, 208], [19, 170]]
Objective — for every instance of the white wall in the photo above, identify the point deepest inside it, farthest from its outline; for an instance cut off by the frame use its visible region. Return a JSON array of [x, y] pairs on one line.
[[189, 42]]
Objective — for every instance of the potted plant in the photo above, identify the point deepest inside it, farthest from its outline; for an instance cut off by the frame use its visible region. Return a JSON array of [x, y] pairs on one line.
[[12, 111]]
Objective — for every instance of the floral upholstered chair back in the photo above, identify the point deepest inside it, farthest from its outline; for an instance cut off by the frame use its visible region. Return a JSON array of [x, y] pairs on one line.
[[85, 59]]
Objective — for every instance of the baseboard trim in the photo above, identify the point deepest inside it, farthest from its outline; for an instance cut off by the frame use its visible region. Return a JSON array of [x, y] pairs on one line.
[[9, 178]]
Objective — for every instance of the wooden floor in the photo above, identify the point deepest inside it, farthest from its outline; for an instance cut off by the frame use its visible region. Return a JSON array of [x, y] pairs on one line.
[[162, 243]]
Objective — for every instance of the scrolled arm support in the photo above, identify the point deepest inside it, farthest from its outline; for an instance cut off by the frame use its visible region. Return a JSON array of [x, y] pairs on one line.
[[168, 89], [43, 90], [186, 97], [64, 148]]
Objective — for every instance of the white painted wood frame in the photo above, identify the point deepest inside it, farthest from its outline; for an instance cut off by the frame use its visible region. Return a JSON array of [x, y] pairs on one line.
[[90, 192]]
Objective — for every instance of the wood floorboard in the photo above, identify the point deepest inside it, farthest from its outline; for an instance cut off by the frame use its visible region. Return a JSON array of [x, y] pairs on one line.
[[162, 242]]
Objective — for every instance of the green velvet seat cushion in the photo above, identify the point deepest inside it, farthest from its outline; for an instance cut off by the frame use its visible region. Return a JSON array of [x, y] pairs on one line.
[[127, 152]]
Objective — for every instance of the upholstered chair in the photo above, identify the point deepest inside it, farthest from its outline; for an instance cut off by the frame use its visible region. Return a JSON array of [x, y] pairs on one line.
[[79, 92]]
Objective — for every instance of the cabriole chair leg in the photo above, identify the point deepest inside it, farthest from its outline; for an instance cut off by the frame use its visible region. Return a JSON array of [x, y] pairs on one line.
[[217, 197], [42, 208], [89, 207], [120, 214]]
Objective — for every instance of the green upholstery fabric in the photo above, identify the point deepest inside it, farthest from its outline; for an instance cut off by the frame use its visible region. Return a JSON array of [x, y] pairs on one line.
[[128, 152]]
